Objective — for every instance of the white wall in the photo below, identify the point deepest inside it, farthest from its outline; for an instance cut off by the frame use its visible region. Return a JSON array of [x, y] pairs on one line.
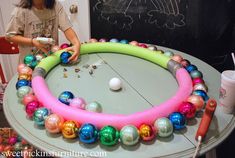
[[80, 21], [9, 63]]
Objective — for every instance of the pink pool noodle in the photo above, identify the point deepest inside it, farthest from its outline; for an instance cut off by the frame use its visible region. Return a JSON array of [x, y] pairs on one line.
[[100, 119]]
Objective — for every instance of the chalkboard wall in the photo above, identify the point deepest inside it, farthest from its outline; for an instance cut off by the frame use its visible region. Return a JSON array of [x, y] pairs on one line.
[[204, 29]]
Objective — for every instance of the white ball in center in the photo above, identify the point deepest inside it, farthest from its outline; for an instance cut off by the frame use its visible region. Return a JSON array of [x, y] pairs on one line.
[[115, 84]]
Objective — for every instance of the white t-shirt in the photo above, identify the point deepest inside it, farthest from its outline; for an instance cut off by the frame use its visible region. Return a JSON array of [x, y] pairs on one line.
[[34, 23]]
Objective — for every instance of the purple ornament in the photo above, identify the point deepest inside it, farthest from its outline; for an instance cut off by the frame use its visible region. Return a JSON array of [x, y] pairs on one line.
[[103, 40], [187, 109], [79, 103], [12, 140], [31, 108]]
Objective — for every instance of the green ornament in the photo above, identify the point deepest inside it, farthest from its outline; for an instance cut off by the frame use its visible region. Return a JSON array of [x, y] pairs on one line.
[[94, 107], [50, 53], [129, 135], [31, 61], [40, 115], [109, 135], [19, 138], [24, 90], [28, 59], [196, 74], [169, 53], [18, 146], [164, 127], [33, 64]]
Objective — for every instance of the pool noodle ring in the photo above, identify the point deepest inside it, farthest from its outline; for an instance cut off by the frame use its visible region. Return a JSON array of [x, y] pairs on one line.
[[99, 119]]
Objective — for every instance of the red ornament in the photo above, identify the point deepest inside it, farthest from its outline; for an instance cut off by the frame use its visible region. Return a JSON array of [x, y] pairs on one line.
[[185, 63], [8, 148], [143, 45], [2, 148], [187, 109], [64, 45]]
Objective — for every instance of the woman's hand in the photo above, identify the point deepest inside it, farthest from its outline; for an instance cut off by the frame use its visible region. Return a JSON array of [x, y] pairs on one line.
[[40, 46], [72, 37], [76, 52]]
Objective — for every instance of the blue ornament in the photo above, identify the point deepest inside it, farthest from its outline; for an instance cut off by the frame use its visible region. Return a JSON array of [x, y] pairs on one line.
[[202, 94], [114, 40], [178, 120], [40, 115], [88, 133], [124, 41], [33, 64], [22, 82], [191, 68], [64, 57], [65, 97]]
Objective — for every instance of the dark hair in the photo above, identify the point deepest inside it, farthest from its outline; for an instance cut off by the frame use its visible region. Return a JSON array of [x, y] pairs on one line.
[[49, 4]]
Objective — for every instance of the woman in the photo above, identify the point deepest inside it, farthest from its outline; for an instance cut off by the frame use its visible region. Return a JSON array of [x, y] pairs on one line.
[[40, 18]]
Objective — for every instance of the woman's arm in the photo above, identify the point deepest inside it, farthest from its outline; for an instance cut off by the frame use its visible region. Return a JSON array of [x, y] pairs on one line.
[[72, 37], [27, 41]]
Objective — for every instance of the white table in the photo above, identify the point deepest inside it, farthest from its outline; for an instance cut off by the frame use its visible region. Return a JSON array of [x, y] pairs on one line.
[[144, 84]]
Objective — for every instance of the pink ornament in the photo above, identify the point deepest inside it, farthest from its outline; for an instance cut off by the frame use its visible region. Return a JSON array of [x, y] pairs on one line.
[[31, 108], [79, 103], [177, 58], [134, 43], [197, 101], [26, 70], [53, 123], [185, 63], [55, 48], [197, 81], [29, 98], [93, 40], [64, 45], [102, 40], [142, 45], [187, 109], [12, 140], [20, 66]]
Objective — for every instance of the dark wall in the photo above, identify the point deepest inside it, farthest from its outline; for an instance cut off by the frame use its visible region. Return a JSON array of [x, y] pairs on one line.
[[204, 29]]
